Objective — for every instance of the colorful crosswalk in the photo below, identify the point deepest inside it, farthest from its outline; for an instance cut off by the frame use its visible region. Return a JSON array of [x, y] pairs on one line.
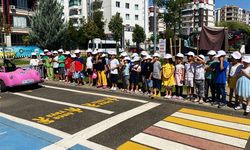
[[190, 129]]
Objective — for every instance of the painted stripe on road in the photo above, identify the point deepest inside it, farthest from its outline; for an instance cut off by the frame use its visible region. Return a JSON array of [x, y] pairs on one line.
[[97, 94], [133, 146], [216, 116], [93, 145], [187, 139], [36, 125], [52, 131], [209, 127], [212, 121], [203, 134], [102, 126], [160, 143], [65, 103]]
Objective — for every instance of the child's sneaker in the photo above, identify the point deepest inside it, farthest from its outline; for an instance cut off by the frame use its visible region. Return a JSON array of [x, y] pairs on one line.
[[174, 97], [180, 98], [104, 87], [196, 100], [248, 109], [158, 95], [238, 107], [201, 102]]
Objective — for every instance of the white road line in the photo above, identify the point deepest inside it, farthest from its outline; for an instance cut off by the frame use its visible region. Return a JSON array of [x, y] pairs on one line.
[[93, 145], [203, 134], [160, 143], [65, 103], [212, 121], [102, 126], [97, 94], [36, 126]]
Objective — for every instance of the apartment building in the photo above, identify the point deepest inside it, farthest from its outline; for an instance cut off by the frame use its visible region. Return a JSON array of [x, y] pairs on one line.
[[76, 10], [231, 13], [248, 18], [197, 14], [16, 17], [132, 11]]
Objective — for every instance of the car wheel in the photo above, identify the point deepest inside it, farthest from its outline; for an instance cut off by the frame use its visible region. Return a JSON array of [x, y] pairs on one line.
[[2, 86], [36, 85]]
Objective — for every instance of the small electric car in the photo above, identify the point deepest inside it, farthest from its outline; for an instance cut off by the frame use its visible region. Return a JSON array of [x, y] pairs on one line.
[[12, 76]]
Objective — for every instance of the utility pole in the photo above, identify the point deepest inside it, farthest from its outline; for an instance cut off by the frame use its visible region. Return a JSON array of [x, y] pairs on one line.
[[155, 28]]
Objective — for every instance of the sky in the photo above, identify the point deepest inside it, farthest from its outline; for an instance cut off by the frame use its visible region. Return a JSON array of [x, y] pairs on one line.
[[241, 3], [220, 3]]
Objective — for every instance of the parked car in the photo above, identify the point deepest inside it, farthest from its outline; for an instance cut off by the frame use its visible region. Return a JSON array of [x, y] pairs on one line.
[[12, 76]]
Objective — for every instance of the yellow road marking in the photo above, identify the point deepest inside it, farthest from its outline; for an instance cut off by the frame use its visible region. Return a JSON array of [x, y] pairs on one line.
[[133, 146], [216, 116], [52, 117], [29, 91], [101, 102], [209, 127]]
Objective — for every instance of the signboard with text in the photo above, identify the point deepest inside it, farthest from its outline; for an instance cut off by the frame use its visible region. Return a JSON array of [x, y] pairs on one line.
[[162, 46], [19, 51]]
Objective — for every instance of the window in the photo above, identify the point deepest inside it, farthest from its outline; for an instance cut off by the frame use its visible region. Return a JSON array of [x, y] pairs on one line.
[[127, 16], [136, 7], [74, 3], [136, 17], [127, 5], [19, 22], [117, 4]]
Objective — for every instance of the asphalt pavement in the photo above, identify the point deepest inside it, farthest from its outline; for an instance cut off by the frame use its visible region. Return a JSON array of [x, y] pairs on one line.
[[60, 116]]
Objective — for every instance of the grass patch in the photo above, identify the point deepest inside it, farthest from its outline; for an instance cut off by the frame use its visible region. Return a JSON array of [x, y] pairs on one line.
[[18, 62]]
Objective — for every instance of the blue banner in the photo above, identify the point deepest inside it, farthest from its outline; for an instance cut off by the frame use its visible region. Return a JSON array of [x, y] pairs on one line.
[[20, 51]]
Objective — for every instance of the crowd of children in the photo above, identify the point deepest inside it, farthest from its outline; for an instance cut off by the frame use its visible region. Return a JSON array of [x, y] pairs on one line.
[[204, 81]]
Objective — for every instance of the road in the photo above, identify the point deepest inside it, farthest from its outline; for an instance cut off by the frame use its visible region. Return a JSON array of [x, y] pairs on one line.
[[57, 116]]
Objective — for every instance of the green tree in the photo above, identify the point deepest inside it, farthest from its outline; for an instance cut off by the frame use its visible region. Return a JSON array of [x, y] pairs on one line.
[[173, 15], [98, 18], [90, 30], [47, 27], [71, 37], [116, 27], [138, 35]]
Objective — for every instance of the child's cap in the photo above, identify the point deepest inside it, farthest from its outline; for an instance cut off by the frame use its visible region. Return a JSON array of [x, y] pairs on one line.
[[124, 54], [60, 50], [168, 56], [211, 53], [144, 53], [127, 58], [89, 51], [202, 57], [220, 53], [42, 54], [246, 59], [180, 55], [236, 55], [157, 55], [134, 55], [148, 57], [45, 51], [190, 54], [73, 55]]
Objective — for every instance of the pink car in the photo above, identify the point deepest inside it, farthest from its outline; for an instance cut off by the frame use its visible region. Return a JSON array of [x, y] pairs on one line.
[[10, 76]]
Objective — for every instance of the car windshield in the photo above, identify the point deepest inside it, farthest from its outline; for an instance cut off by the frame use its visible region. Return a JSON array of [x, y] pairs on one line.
[[9, 66]]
